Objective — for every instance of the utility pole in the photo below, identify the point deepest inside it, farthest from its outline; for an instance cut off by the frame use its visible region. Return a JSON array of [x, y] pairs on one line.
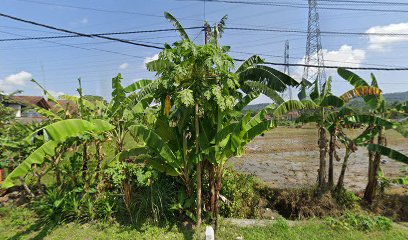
[[314, 54], [286, 67]]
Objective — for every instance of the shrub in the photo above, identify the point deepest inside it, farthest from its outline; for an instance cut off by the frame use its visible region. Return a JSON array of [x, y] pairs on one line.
[[242, 197], [303, 203], [281, 223], [346, 198], [360, 222]]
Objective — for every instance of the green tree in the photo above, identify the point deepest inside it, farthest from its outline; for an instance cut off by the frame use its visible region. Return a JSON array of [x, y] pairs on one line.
[[198, 85]]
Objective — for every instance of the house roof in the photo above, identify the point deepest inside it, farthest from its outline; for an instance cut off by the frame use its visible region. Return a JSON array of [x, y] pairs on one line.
[[31, 100], [65, 104], [40, 101]]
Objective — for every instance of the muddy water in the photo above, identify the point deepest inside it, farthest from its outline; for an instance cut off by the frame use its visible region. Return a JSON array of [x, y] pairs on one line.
[[289, 158]]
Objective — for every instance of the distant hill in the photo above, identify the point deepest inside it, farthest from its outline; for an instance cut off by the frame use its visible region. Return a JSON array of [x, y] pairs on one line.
[[389, 97], [256, 107], [396, 97]]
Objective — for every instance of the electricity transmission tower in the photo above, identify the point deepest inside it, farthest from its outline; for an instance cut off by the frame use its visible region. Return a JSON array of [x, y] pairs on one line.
[[314, 54], [288, 92]]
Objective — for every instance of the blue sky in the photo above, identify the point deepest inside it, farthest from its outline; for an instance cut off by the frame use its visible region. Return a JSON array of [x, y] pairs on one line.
[[57, 66]]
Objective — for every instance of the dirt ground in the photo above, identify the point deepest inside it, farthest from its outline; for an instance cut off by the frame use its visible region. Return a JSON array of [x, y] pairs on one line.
[[288, 158]]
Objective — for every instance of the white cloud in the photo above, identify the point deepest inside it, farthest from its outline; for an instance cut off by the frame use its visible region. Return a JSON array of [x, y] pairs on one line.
[[56, 94], [345, 56], [14, 81], [84, 20], [149, 59], [124, 65], [379, 42], [79, 22]]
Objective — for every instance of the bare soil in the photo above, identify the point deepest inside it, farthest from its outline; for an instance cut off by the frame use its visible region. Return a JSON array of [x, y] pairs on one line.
[[288, 158]]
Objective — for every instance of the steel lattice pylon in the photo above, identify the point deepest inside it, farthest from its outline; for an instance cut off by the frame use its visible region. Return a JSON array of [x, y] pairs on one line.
[[314, 53], [288, 93]]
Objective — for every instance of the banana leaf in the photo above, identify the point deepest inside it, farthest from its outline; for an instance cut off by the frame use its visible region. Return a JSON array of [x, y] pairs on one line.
[[386, 151]]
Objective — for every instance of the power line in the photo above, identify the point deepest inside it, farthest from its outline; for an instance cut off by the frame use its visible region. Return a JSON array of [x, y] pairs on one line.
[[91, 9], [322, 32], [333, 67], [95, 34], [300, 58], [156, 47], [366, 2], [77, 33], [102, 35], [87, 43], [83, 48], [293, 5]]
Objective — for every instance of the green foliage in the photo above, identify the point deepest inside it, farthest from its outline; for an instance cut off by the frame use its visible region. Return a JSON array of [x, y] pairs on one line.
[[13, 148], [54, 134], [391, 153], [21, 223], [360, 222], [346, 198], [177, 25], [242, 195], [6, 114], [192, 112], [65, 205], [282, 223]]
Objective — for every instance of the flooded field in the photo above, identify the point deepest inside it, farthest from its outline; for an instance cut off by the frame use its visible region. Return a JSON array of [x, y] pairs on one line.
[[289, 158]]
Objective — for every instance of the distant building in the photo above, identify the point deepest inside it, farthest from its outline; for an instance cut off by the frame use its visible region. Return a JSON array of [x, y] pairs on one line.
[[292, 115], [24, 107]]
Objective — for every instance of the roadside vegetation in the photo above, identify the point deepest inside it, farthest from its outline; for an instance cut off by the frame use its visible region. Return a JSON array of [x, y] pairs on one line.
[[154, 160]]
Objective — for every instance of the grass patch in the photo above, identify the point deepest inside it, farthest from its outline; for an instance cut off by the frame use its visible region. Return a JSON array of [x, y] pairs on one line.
[[21, 223], [305, 230]]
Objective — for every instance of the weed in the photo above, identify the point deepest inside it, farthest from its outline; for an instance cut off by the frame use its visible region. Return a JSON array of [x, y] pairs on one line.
[[360, 222], [241, 194], [281, 223], [346, 198]]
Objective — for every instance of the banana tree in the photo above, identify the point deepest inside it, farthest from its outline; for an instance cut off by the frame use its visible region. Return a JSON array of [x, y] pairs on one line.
[[329, 117], [201, 79], [169, 149], [326, 102], [377, 123], [53, 136], [234, 131], [351, 144]]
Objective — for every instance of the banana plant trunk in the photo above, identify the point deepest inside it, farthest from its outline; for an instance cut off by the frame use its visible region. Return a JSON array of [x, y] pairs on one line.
[[371, 189], [26, 188], [340, 182], [332, 149], [126, 186], [38, 181], [211, 180], [322, 163], [99, 156], [85, 162], [218, 185], [199, 175], [57, 170]]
